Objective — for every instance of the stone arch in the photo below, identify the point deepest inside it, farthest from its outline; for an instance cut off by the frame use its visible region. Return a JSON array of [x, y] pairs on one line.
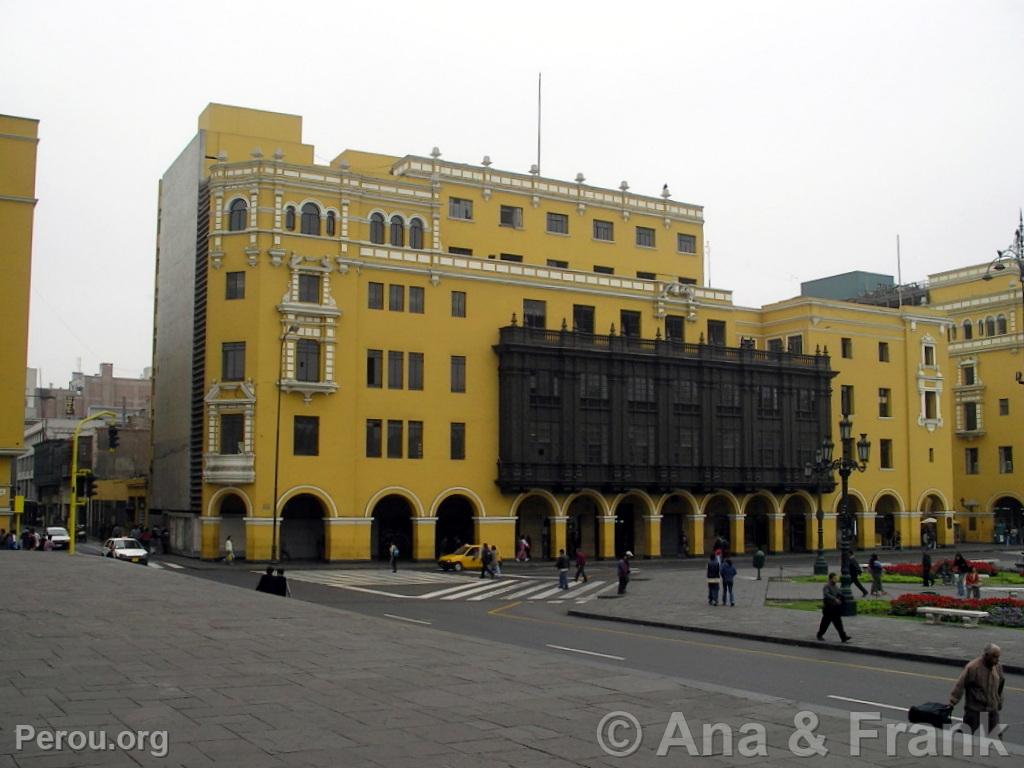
[[394, 490], [302, 525], [675, 507], [1007, 515], [454, 510], [330, 508], [857, 501], [799, 522], [392, 515], [932, 500], [758, 509], [717, 508], [533, 511], [886, 506], [214, 504], [478, 503], [601, 502], [232, 505]]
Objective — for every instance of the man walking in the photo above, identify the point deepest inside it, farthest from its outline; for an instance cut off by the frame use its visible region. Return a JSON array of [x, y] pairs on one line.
[[981, 687], [714, 579], [581, 564], [855, 572], [485, 561], [624, 571], [832, 610], [562, 564], [393, 557], [926, 570]]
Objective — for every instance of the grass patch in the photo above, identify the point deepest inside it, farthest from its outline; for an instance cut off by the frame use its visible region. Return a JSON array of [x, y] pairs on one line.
[[864, 607]]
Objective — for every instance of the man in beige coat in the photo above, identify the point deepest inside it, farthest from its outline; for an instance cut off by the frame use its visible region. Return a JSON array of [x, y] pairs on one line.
[[981, 687]]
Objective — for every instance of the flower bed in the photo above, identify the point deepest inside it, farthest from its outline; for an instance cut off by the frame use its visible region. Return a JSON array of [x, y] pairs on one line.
[[1003, 611], [914, 569]]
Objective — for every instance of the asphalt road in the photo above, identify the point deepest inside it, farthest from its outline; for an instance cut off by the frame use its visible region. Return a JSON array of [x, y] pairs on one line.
[[854, 682]]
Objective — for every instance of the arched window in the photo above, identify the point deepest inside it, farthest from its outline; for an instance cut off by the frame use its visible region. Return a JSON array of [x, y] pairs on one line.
[[377, 228], [397, 231], [968, 330], [1001, 325], [990, 326], [289, 218], [238, 216], [416, 234], [330, 223], [310, 219]]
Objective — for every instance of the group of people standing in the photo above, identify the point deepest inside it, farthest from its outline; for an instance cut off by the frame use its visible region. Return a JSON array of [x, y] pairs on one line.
[[274, 584], [721, 573]]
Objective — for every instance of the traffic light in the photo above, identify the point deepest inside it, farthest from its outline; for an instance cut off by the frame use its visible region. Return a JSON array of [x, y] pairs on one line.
[[112, 438], [90, 486], [80, 485]]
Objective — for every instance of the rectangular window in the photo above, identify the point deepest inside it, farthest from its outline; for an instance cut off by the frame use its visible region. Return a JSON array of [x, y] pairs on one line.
[[373, 438], [593, 386], [558, 224], [595, 444], [558, 264], [971, 461], [232, 361], [716, 332], [885, 453], [846, 347], [458, 303], [775, 345], [460, 251], [646, 275], [1006, 460], [415, 448], [846, 399], [309, 289], [510, 216], [396, 298], [884, 407], [235, 288], [375, 368], [929, 355], [971, 417], [232, 433], [675, 328], [415, 370], [931, 455], [582, 318], [1004, 406], [883, 351], [629, 323], [307, 436], [604, 270], [604, 230], [458, 440], [458, 373], [645, 237], [511, 257], [458, 208], [968, 374], [931, 406], [795, 345], [416, 300], [375, 296], [534, 313], [396, 375], [686, 243], [307, 360], [394, 439]]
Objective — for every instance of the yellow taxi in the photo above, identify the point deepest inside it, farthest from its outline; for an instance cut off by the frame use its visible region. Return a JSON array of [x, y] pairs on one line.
[[465, 557]]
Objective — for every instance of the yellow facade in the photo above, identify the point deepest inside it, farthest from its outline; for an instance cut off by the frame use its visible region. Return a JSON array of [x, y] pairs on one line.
[[18, 141], [498, 249]]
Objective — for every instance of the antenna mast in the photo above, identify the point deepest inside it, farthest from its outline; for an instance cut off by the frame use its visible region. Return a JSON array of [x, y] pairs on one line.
[[538, 123]]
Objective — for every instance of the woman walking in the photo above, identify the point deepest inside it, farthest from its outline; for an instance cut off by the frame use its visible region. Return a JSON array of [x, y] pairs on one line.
[[875, 569]]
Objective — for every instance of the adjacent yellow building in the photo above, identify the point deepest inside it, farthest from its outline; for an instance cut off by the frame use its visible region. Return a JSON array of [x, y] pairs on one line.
[[416, 351], [18, 141]]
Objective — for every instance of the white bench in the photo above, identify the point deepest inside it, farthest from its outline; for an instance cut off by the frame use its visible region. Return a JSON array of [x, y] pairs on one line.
[[1010, 591], [934, 614]]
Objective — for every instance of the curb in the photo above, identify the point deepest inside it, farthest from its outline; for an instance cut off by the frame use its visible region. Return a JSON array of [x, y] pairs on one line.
[[904, 655]]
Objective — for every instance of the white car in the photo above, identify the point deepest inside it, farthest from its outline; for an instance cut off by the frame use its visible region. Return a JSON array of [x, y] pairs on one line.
[[59, 537], [124, 548]]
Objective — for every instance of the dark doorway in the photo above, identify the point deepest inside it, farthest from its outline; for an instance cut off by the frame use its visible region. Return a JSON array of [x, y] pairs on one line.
[[716, 522], [302, 529], [625, 522], [232, 522], [392, 523], [454, 525], [1008, 521], [533, 523]]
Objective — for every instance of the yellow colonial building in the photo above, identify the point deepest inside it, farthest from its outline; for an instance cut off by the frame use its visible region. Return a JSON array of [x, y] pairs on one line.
[[18, 141], [425, 352]]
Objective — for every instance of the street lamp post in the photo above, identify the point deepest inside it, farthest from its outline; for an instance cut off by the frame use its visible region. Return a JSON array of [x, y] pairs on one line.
[[110, 418], [277, 440], [1014, 254], [823, 467]]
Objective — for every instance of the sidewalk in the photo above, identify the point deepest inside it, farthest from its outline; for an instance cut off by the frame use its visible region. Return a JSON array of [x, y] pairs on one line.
[[240, 678], [679, 600]]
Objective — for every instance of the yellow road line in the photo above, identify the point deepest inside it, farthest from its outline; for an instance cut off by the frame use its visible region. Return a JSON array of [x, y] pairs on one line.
[[500, 612]]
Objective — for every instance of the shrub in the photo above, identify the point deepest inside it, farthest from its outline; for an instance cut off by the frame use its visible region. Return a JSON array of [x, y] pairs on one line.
[[914, 569]]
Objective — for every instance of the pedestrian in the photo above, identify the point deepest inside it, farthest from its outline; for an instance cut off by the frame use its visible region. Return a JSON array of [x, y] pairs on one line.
[[624, 570], [562, 564], [832, 610], [267, 583], [495, 561], [485, 561], [281, 584], [48, 544], [393, 557], [759, 559], [165, 540], [855, 572], [521, 552], [981, 687], [728, 572], [714, 579], [960, 569], [229, 550], [529, 547], [875, 570], [972, 583], [581, 565], [926, 570]]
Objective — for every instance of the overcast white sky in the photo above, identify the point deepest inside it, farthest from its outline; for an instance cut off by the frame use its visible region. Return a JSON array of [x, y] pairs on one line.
[[812, 132]]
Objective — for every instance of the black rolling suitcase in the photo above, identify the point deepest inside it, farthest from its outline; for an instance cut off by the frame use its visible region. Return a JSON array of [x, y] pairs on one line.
[[931, 713]]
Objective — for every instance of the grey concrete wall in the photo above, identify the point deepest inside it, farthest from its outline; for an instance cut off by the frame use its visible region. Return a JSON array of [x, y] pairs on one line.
[[172, 339]]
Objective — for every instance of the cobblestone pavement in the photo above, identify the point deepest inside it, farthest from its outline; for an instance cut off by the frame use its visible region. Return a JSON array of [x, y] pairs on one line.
[[240, 678]]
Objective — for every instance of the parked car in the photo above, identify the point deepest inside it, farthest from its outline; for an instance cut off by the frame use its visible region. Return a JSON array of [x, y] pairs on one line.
[[59, 537], [466, 556], [124, 548]]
